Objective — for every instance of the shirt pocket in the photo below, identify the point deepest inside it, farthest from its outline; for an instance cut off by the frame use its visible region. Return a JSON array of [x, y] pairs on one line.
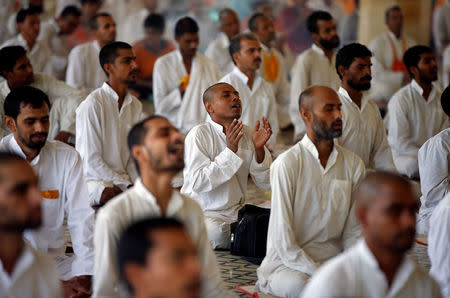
[[50, 207]]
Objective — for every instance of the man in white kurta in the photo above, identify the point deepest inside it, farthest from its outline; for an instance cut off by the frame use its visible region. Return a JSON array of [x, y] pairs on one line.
[[64, 99], [144, 200], [181, 77], [446, 67], [377, 266], [312, 213], [363, 130], [315, 66], [216, 173], [83, 69], [60, 172], [414, 115], [218, 50]]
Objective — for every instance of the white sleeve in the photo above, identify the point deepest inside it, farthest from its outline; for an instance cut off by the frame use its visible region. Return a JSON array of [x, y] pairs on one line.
[[48, 60], [440, 30], [381, 154], [260, 172], [167, 101], [299, 81], [75, 73]]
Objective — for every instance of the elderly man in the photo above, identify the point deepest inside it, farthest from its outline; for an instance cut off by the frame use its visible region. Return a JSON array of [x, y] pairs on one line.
[[220, 154], [312, 215]]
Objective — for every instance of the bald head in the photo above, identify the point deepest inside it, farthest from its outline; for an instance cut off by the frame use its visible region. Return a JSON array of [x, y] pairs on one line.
[[315, 94], [208, 95]]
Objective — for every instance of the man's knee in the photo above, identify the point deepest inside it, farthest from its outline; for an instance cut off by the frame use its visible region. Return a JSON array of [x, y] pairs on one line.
[[218, 232], [287, 283]]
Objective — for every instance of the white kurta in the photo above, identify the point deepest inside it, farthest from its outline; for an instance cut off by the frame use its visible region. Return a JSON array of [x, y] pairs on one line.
[[215, 176], [60, 172], [34, 275], [83, 69], [187, 111], [385, 81], [298, 239], [446, 67], [411, 121], [132, 27], [441, 27], [356, 273], [63, 98], [281, 87], [40, 55], [218, 51], [363, 133], [434, 169], [101, 139], [311, 68], [138, 203], [438, 244], [49, 34], [256, 102]]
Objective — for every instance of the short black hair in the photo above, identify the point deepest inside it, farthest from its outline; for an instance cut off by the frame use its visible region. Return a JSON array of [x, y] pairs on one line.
[[9, 57], [93, 22], [253, 21], [23, 96], [235, 43], [70, 10], [90, 1], [348, 53], [185, 25], [445, 100], [412, 56], [136, 241], [155, 20], [311, 21], [8, 157], [110, 52], [23, 13], [389, 10]]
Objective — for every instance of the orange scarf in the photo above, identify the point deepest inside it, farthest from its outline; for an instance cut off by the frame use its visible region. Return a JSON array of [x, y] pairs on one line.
[[397, 64], [271, 67]]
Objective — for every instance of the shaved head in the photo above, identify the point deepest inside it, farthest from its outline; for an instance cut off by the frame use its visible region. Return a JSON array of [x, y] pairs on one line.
[[209, 93], [314, 93]]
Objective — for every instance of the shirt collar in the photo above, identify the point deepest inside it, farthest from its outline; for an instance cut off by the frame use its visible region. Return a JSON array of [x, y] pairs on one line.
[[113, 94], [215, 125], [223, 38], [15, 147], [243, 77], [342, 91], [317, 49], [96, 45], [309, 145], [265, 48], [393, 37], [24, 262], [419, 89], [54, 24], [180, 57]]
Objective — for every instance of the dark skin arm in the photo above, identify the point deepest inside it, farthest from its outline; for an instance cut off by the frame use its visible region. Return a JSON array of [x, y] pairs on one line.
[[78, 286]]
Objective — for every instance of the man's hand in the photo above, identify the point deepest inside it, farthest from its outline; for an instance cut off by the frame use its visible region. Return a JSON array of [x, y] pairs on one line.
[[63, 136], [109, 193], [261, 134], [234, 133], [78, 286]]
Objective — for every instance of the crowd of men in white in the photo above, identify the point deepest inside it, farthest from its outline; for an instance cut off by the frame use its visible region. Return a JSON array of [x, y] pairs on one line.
[[343, 201]]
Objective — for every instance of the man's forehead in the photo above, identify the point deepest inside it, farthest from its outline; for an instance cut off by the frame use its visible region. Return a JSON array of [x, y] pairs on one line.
[[125, 53], [158, 123], [103, 20], [249, 43]]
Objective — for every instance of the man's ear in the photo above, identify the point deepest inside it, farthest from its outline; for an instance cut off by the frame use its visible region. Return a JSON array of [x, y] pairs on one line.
[[361, 214], [209, 107], [415, 71], [315, 37], [341, 70], [108, 67], [305, 114], [137, 152], [10, 123], [235, 57]]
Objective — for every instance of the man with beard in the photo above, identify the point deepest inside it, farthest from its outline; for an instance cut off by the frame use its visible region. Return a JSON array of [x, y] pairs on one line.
[[257, 94], [363, 130], [24, 271], [83, 70], [61, 182], [220, 155], [414, 112], [377, 266], [102, 124], [312, 216], [157, 149], [314, 66], [273, 67]]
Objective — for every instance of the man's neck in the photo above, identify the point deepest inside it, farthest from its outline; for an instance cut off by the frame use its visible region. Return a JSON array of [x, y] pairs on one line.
[[187, 61], [10, 250], [251, 74], [30, 41], [398, 34], [426, 87], [267, 44], [160, 185], [121, 89], [29, 152], [13, 85], [328, 53], [355, 95], [324, 147]]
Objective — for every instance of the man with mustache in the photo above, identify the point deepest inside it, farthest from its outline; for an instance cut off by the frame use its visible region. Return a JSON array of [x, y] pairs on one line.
[[220, 155], [24, 271], [61, 182], [258, 98], [83, 70], [312, 216], [377, 266], [102, 124], [314, 66], [414, 112], [157, 149], [363, 131]]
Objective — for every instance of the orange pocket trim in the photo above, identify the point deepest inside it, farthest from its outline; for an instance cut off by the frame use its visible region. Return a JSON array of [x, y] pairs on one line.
[[50, 194]]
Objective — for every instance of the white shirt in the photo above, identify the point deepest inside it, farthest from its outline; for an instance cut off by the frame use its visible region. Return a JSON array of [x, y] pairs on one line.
[[60, 172], [132, 28], [40, 55], [434, 169], [83, 69], [101, 139], [441, 27], [281, 87], [356, 273], [138, 203], [411, 121], [34, 275], [256, 102], [363, 133], [64, 100], [312, 214], [446, 67], [438, 244], [311, 68], [215, 176], [187, 111], [49, 34], [385, 81], [218, 51]]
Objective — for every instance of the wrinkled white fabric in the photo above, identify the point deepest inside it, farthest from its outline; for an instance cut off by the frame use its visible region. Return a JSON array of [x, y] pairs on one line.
[[218, 51]]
